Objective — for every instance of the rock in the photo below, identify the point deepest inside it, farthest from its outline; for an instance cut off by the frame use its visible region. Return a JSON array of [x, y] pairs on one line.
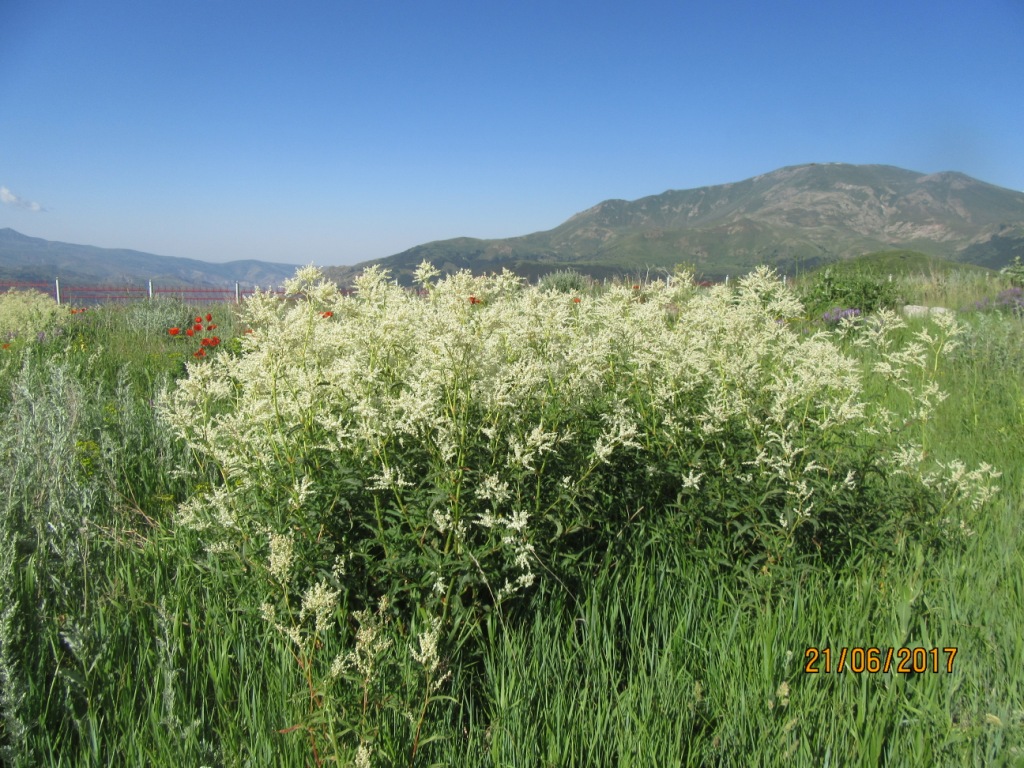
[[916, 310]]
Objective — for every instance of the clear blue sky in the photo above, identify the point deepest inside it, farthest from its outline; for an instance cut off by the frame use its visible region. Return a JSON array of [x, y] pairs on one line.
[[345, 130]]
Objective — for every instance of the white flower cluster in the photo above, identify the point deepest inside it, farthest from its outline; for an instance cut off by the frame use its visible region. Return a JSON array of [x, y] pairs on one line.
[[282, 555], [371, 644], [427, 655], [489, 387]]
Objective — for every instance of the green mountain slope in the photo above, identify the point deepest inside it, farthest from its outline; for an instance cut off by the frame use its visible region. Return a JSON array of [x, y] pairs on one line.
[[793, 218]]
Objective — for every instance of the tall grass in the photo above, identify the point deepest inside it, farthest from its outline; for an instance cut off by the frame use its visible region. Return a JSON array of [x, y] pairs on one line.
[[956, 290], [125, 640], [868, 283]]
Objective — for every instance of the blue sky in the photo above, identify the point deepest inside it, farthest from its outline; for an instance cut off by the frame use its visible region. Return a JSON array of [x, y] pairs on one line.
[[334, 132]]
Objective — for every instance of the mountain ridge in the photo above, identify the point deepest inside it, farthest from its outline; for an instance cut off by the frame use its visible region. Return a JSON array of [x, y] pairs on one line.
[[24, 258], [794, 217]]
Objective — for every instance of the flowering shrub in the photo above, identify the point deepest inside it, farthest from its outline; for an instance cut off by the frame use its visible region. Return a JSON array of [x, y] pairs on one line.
[[446, 453], [460, 445], [27, 314]]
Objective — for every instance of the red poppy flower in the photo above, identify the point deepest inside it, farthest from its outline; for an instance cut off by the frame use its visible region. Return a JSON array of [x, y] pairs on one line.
[[474, 300], [575, 299], [199, 353], [198, 320], [209, 317], [174, 331], [326, 314], [197, 327], [211, 326], [215, 341], [636, 287], [190, 332], [205, 343], [248, 330]]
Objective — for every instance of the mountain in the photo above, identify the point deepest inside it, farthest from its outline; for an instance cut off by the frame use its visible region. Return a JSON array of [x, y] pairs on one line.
[[793, 218], [32, 259]]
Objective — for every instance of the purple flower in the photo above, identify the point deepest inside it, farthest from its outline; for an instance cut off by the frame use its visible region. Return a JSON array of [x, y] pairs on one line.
[[1011, 299], [837, 314]]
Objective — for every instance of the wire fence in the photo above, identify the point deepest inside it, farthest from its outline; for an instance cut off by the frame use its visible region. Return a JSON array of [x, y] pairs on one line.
[[78, 294], [70, 293]]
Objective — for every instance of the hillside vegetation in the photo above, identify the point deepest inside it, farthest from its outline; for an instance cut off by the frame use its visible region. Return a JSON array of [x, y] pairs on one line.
[[904, 263], [793, 219], [892, 279]]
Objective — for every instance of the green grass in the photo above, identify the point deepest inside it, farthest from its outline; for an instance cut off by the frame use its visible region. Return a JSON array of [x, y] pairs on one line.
[[909, 277], [669, 663], [904, 263], [122, 642]]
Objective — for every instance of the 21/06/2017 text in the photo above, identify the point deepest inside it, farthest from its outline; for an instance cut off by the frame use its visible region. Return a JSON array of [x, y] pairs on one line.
[[860, 659]]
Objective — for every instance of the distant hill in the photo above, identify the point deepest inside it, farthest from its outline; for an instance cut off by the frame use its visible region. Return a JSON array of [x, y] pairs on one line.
[[795, 218], [32, 259]]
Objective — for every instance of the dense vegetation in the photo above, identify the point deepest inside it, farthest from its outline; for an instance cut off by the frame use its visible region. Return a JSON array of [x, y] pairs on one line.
[[498, 525]]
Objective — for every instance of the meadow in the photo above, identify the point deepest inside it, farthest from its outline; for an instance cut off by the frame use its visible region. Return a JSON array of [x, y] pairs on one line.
[[495, 524]]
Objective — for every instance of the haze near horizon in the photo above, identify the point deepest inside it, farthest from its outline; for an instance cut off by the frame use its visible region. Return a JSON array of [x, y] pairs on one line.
[[336, 132]]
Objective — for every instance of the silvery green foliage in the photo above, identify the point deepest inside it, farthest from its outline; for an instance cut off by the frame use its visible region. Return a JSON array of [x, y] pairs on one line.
[[12, 673], [565, 281], [157, 315], [44, 541], [448, 449]]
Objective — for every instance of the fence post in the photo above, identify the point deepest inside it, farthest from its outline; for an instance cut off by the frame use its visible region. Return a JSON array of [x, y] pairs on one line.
[[238, 299], [56, 282], [150, 290]]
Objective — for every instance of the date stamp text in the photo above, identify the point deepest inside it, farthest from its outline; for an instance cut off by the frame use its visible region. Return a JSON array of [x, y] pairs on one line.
[[859, 659]]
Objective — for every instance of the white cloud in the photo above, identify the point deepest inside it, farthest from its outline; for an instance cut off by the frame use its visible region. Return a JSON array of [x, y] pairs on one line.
[[9, 198]]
